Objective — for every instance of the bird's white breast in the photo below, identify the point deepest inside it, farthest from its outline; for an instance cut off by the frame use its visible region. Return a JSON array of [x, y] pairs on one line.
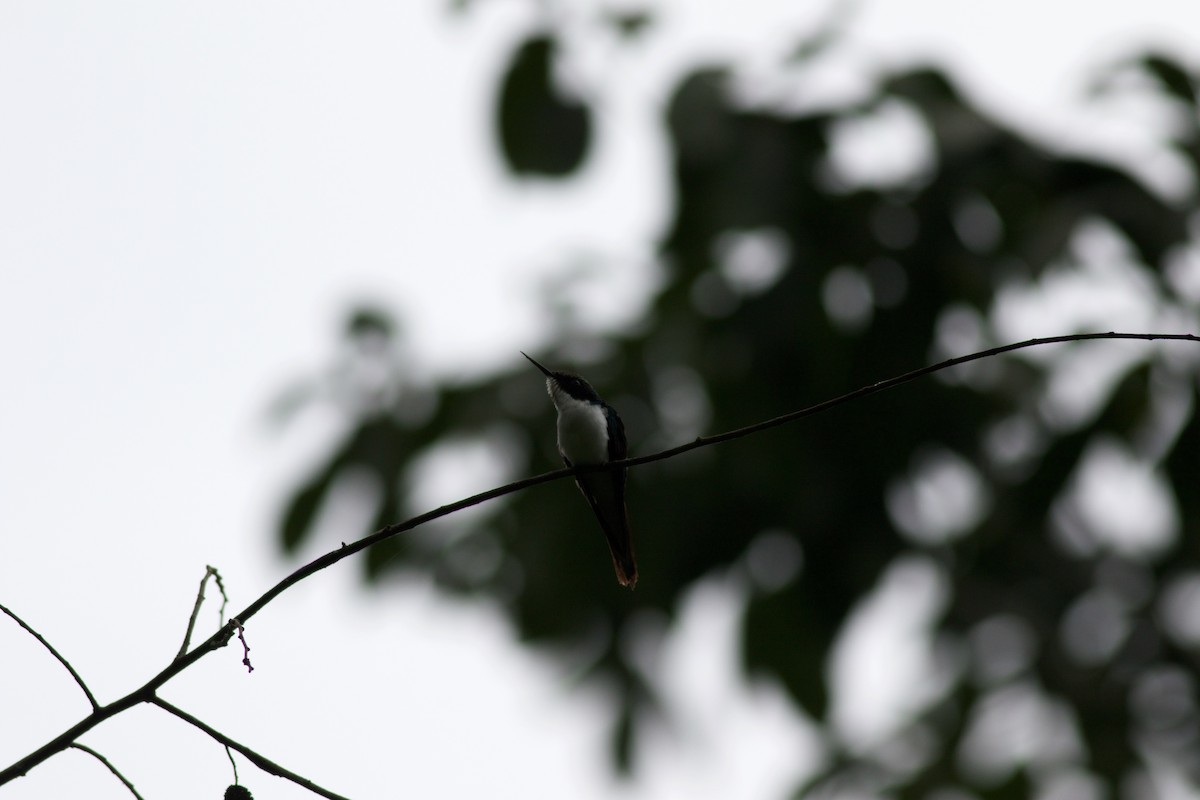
[[582, 431]]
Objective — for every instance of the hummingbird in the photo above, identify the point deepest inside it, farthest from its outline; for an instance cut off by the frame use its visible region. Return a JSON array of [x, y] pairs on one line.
[[590, 432]]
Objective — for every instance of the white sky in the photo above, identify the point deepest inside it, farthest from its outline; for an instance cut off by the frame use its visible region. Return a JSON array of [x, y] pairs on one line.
[[190, 195]]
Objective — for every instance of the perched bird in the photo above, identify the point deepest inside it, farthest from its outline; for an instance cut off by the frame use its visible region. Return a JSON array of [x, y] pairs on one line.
[[590, 432]]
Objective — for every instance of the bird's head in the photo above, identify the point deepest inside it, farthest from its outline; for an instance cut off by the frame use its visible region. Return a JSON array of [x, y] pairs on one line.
[[566, 384]]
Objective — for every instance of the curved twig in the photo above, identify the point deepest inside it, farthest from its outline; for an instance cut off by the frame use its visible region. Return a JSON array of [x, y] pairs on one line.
[[111, 768], [91, 697], [262, 762], [891, 383]]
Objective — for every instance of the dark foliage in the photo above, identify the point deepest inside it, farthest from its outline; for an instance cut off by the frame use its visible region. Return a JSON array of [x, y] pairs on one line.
[[783, 287]]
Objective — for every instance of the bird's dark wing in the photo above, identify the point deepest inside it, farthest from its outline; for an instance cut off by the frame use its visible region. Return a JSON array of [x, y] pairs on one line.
[[618, 447]]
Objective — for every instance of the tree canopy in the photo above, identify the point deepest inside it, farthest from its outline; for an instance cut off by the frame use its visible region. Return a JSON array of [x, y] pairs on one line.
[[1047, 499]]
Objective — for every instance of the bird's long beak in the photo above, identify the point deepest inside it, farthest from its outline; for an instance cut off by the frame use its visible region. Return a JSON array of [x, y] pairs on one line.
[[544, 371]]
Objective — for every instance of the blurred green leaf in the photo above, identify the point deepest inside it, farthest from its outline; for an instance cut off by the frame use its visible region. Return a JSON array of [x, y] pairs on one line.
[[1176, 80], [781, 636], [542, 131], [301, 512]]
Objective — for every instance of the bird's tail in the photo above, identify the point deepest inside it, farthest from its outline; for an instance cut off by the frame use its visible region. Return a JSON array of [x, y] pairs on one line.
[[621, 547], [607, 499]]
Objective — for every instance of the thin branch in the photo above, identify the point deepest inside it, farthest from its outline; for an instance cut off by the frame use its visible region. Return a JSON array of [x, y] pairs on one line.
[[263, 763], [209, 571], [233, 764], [146, 693], [111, 768], [387, 532], [91, 697], [224, 597], [890, 383]]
